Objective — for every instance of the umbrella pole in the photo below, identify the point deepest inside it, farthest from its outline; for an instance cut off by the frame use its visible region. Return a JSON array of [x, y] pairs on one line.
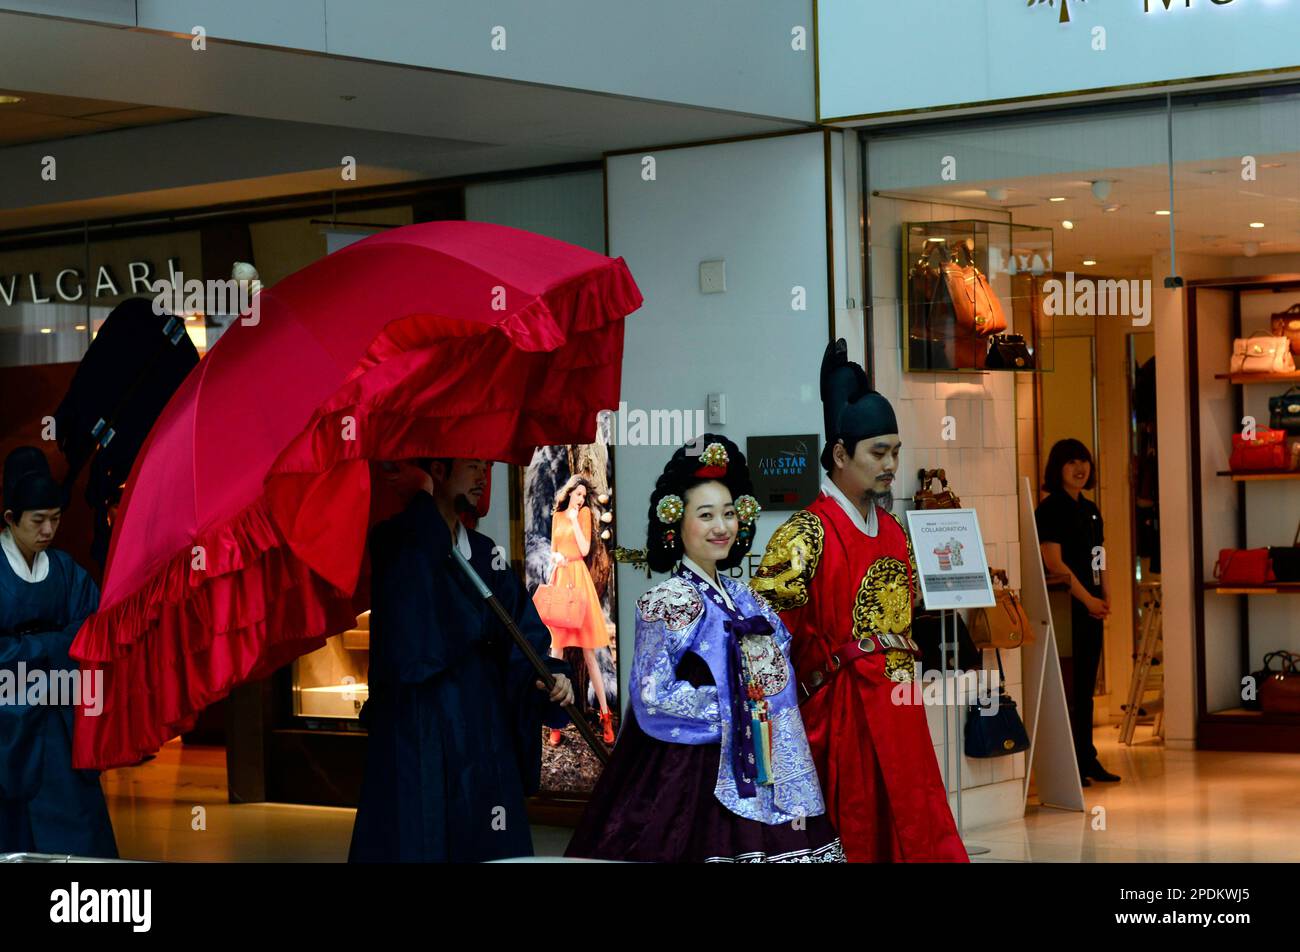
[[543, 672]]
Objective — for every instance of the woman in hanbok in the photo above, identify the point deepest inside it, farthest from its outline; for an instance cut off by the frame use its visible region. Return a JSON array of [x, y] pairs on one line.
[[712, 763], [45, 805], [571, 541]]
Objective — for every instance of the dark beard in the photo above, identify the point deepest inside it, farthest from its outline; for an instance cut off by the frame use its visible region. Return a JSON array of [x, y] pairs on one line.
[[884, 500]]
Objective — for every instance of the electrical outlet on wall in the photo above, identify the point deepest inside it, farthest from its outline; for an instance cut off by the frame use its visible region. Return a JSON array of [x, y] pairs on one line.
[[713, 277]]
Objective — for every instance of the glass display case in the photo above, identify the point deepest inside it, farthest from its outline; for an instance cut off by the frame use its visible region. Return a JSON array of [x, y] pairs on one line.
[[973, 296], [330, 682]]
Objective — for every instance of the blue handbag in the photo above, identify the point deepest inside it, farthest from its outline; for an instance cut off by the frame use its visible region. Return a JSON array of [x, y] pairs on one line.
[[995, 732]]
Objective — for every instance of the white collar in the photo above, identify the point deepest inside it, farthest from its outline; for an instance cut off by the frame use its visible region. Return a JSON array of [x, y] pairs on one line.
[[462, 540], [717, 585], [36, 572], [868, 527]]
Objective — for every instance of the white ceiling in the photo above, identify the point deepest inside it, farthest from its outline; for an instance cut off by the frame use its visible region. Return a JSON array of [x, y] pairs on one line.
[[1213, 208], [472, 124]]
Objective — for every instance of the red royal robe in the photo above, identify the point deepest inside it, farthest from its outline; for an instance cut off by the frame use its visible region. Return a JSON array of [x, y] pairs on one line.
[[832, 583]]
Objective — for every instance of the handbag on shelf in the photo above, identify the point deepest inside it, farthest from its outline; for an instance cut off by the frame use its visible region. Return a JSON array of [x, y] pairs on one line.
[[927, 498], [1287, 324], [1243, 567], [1284, 411], [1006, 624], [995, 732], [1265, 673], [1008, 352], [558, 607], [1279, 692], [1285, 560], [1261, 353], [1266, 453], [979, 311]]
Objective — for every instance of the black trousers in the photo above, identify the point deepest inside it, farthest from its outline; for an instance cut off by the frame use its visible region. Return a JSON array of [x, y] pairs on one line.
[[1086, 635]]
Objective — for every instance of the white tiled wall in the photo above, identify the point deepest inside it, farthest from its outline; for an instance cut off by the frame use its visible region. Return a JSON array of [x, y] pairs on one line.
[[981, 464]]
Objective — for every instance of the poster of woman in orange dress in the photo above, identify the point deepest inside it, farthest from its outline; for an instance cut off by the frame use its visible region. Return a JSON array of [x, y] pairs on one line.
[[571, 541], [567, 538]]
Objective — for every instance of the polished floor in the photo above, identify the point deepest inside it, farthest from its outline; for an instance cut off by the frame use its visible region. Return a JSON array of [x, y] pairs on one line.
[[1171, 806]]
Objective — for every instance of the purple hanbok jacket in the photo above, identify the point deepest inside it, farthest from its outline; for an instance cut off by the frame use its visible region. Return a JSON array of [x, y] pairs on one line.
[[685, 613]]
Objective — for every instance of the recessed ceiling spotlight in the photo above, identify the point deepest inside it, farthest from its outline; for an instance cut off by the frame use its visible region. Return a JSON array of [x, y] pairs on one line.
[[1067, 225], [1089, 262], [47, 330], [1163, 211], [1057, 198], [1257, 224], [7, 100], [79, 327], [1111, 208]]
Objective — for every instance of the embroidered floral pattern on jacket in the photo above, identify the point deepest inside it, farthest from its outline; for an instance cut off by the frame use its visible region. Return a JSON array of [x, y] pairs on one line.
[[675, 603]]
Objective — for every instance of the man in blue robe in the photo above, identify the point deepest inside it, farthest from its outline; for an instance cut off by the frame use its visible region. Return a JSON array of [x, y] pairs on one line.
[[45, 805], [455, 711]]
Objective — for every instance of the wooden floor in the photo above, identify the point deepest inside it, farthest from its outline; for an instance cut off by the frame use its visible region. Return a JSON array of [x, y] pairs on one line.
[[1172, 806]]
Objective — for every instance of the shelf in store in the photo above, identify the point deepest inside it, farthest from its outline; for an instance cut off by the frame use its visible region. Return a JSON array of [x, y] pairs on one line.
[[1259, 477], [1268, 588], [1260, 378]]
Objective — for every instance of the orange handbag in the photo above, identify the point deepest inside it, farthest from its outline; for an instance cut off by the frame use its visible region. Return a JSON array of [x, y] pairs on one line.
[[558, 607], [1006, 624]]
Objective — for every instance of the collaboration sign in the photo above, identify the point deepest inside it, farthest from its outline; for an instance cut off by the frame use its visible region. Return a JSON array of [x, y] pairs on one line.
[[960, 53], [950, 558]]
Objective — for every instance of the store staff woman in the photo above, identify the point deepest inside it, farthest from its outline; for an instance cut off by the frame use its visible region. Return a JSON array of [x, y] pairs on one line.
[[45, 805], [1069, 530]]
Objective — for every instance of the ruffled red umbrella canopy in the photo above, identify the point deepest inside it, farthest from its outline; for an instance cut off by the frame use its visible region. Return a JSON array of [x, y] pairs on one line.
[[239, 541]]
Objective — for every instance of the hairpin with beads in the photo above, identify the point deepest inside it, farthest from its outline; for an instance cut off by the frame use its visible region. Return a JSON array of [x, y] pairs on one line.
[[747, 510], [715, 460], [669, 512]]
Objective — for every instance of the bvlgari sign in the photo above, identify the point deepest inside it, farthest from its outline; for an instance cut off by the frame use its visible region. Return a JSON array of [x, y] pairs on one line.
[[968, 53], [70, 285]]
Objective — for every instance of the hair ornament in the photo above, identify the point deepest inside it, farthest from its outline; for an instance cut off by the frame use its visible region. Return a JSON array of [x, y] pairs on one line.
[[747, 509], [670, 509], [715, 460]]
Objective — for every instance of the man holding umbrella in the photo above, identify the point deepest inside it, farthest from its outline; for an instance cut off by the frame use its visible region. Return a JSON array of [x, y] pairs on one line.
[[455, 711]]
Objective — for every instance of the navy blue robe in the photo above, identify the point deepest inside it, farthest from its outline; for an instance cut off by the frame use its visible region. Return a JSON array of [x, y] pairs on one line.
[[45, 805], [454, 715]]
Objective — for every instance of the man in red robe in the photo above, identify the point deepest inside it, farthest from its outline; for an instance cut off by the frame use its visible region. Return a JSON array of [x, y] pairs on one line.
[[841, 575]]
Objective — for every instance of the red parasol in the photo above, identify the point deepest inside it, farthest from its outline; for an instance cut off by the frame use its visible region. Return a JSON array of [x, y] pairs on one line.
[[240, 538]]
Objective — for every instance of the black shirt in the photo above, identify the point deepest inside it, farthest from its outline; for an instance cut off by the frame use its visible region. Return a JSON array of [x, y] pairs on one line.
[[1076, 526]]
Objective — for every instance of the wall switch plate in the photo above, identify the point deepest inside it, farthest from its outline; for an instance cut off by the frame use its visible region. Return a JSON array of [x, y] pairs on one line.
[[718, 408], [713, 277]]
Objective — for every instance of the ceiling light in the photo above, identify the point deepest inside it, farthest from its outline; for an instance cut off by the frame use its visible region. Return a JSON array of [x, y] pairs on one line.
[[47, 330], [1057, 198], [1067, 225], [7, 100], [79, 327], [1111, 208], [1257, 224], [1272, 165], [1163, 211], [1089, 262]]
